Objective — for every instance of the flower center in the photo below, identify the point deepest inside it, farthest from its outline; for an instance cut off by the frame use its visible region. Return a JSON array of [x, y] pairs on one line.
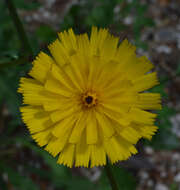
[[89, 99]]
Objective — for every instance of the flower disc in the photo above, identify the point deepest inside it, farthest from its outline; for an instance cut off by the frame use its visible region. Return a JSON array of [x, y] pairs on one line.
[[87, 101]]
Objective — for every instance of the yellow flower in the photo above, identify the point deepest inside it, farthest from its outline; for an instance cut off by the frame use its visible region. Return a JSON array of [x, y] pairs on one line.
[[87, 100]]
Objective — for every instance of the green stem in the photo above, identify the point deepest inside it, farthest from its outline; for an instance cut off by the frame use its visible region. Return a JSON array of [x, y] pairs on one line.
[[18, 24], [111, 177]]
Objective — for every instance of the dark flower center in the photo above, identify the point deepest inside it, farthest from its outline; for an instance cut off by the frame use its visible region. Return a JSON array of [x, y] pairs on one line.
[[89, 99]]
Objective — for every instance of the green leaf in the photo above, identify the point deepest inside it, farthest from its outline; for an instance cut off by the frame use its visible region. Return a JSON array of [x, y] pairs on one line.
[[165, 138], [45, 34], [160, 89], [174, 186], [125, 179], [165, 113], [81, 183]]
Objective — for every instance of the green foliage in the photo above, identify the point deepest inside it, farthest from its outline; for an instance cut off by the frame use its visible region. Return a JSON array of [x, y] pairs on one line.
[[45, 34], [125, 180], [164, 139], [173, 186]]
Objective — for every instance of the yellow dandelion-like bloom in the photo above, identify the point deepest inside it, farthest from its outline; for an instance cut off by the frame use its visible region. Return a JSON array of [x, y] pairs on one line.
[[87, 102]]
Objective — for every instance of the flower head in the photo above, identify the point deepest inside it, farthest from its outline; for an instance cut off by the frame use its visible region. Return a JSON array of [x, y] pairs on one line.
[[88, 100]]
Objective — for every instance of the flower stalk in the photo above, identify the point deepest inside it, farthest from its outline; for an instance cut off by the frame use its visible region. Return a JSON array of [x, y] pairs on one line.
[[19, 27], [111, 177]]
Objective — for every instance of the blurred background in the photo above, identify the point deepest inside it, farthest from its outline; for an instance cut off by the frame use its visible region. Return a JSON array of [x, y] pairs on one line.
[[154, 27]]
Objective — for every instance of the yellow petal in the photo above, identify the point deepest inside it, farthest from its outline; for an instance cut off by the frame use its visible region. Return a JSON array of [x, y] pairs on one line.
[[105, 125], [149, 101], [56, 144], [78, 128], [59, 53], [117, 88], [67, 155], [75, 77], [117, 149], [69, 41], [118, 117], [140, 116], [62, 113], [121, 108], [93, 40], [130, 134], [32, 91], [98, 155], [114, 151], [55, 86], [42, 138], [27, 84], [95, 73], [145, 82], [102, 36], [91, 129], [138, 67], [82, 155], [61, 75], [63, 126], [109, 47], [56, 104], [146, 131], [35, 118], [78, 70], [41, 66], [83, 45], [124, 52]]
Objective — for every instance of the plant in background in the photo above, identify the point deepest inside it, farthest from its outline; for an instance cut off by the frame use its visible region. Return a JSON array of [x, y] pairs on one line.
[[87, 100]]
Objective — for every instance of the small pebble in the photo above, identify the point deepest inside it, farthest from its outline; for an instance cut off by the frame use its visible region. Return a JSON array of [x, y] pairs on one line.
[[177, 178], [5, 177], [149, 150], [161, 186], [128, 20], [164, 49], [173, 169], [163, 174], [144, 175], [150, 183], [176, 156], [165, 35]]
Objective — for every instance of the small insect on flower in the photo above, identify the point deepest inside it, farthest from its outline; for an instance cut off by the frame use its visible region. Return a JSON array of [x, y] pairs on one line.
[[88, 101]]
